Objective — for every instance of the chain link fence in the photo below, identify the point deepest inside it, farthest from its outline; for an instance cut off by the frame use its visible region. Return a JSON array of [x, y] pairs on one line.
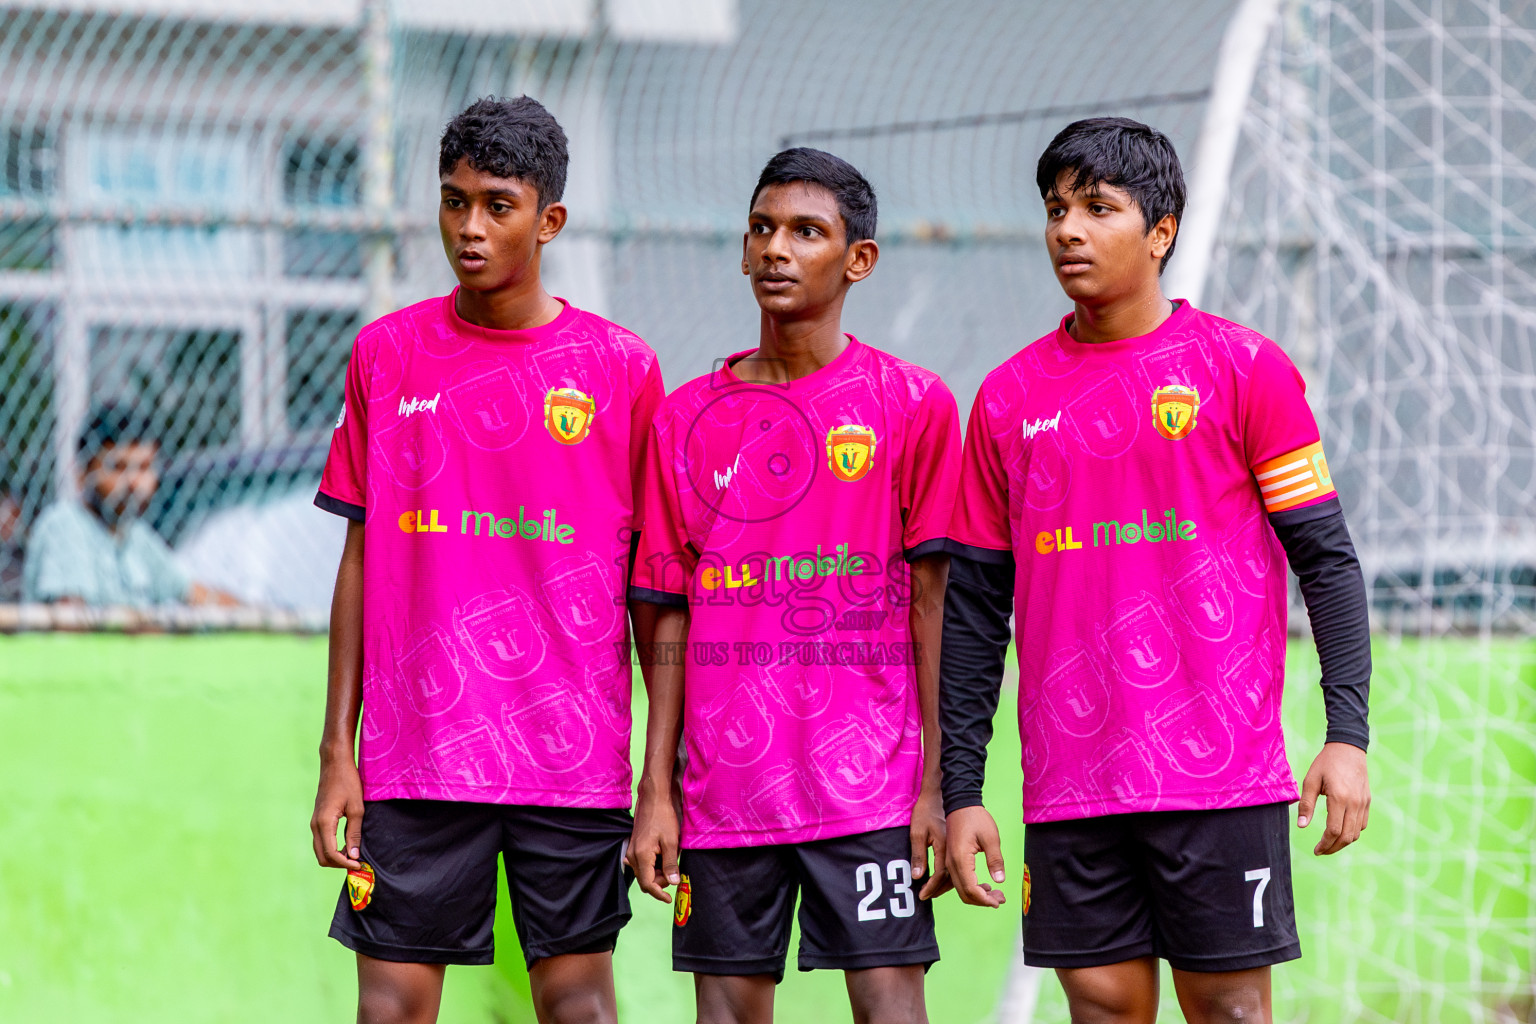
[[201, 202]]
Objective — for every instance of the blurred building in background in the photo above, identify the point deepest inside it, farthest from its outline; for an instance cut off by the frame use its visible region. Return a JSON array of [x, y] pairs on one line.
[[202, 200]]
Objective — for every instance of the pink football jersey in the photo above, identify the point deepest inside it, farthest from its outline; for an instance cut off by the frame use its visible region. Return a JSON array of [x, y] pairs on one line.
[[497, 477], [784, 517], [1130, 481]]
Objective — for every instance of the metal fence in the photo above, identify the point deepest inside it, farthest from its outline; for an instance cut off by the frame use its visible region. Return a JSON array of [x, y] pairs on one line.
[[200, 202]]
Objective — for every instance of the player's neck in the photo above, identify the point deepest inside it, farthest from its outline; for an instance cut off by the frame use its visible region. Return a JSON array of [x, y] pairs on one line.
[[521, 306], [1123, 317], [789, 349]]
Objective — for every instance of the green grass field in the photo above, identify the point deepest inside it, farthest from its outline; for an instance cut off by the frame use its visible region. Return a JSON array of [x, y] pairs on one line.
[[155, 861]]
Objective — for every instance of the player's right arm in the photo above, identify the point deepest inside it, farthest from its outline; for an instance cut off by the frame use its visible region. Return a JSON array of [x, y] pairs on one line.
[[663, 564], [343, 492], [976, 608], [977, 605], [656, 832], [341, 788]]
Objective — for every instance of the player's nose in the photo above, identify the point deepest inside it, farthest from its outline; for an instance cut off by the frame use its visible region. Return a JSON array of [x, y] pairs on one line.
[[777, 248], [472, 224], [1067, 230]]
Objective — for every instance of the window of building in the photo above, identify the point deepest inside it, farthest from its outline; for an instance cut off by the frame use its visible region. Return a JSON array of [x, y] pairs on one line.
[[322, 174], [319, 342], [28, 238], [138, 168], [186, 380]]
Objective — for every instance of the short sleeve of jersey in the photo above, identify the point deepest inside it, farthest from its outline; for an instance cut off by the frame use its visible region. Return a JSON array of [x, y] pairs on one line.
[[980, 529], [344, 484], [642, 413], [930, 473], [1280, 437], [665, 560]]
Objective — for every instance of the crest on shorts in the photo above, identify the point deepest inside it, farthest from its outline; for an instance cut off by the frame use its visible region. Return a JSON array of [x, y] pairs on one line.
[[850, 451], [360, 886], [568, 415], [1173, 410], [1026, 890], [684, 905]]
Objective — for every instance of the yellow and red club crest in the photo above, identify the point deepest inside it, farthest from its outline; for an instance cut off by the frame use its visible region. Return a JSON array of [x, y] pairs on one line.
[[1173, 410], [1026, 890], [568, 415], [850, 451], [684, 905], [360, 886]]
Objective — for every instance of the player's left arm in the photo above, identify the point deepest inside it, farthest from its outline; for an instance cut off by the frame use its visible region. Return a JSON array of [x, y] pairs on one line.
[[930, 574], [1323, 557], [1298, 493]]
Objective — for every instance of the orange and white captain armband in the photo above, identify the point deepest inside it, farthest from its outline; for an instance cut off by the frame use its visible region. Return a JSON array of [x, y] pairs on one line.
[[1295, 478]]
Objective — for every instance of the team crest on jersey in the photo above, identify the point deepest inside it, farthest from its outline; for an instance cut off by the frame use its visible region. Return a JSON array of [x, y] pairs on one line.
[[1026, 890], [1173, 410], [684, 905], [568, 415], [850, 451], [360, 886]]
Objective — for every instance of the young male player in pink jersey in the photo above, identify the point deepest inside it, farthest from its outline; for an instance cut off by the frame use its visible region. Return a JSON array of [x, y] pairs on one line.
[[1133, 484], [488, 458], [796, 501]]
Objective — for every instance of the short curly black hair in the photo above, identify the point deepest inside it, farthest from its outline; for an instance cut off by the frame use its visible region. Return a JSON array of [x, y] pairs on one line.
[[516, 138]]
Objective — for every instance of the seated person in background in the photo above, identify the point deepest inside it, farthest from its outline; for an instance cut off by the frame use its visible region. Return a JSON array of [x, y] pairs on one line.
[[10, 543], [95, 550]]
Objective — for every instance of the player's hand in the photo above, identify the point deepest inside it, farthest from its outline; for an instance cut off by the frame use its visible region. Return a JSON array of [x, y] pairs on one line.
[[654, 839], [928, 829], [340, 796], [1339, 774], [972, 831]]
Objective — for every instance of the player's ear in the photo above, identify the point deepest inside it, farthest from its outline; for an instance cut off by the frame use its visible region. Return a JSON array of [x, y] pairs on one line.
[[1162, 235], [551, 221], [745, 267], [860, 259]]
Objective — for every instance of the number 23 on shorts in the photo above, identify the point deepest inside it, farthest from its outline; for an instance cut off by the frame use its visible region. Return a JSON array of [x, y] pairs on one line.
[[902, 904]]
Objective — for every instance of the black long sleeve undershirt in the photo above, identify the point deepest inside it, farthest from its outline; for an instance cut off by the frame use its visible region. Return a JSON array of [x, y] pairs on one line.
[[1317, 545], [979, 600], [977, 604]]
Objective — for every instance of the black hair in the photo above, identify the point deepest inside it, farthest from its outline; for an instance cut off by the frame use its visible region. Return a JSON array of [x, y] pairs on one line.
[[854, 194], [113, 424], [509, 139], [1120, 152]]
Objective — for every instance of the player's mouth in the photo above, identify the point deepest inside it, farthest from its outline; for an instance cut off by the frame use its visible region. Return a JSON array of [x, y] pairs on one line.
[[1071, 263], [471, 260], [775, 282]]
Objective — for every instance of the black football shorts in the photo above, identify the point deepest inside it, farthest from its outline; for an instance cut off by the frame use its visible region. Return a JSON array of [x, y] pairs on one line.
[[1205, 890], [858, 907], [428, 894]]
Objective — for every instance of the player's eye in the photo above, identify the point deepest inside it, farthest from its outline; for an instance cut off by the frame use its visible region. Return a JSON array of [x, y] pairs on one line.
[[500, 208]]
